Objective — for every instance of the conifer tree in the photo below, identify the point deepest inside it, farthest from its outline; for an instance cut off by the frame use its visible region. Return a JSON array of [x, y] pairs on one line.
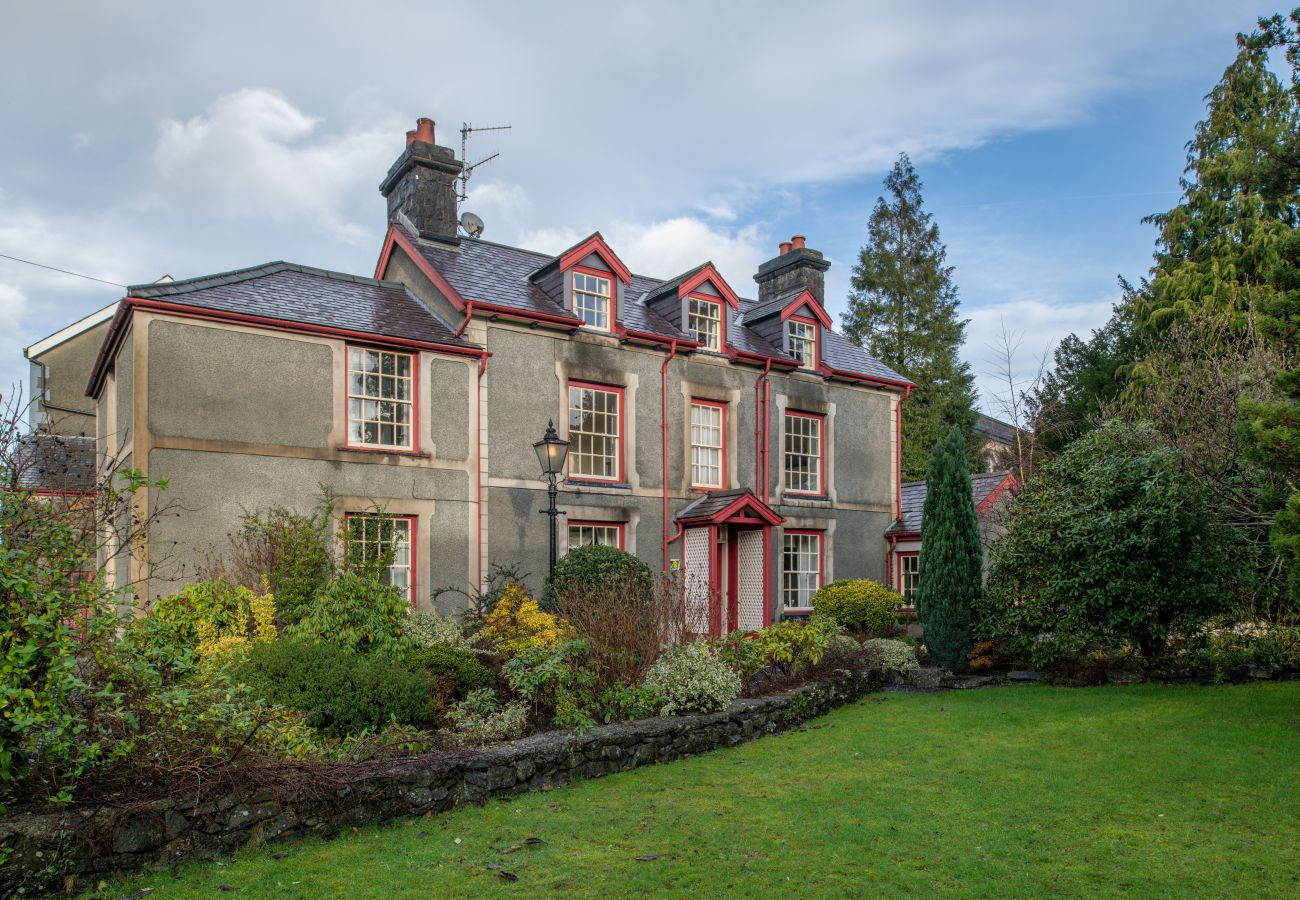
[[952, 558], [903, 311]]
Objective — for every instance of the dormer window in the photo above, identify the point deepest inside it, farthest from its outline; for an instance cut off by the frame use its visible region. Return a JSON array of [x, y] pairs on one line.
[[591, 299], [705, 323], [801, 337]]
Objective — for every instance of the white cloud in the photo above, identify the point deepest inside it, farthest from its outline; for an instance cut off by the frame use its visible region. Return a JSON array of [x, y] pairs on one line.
[[13, 304], [255, 155]]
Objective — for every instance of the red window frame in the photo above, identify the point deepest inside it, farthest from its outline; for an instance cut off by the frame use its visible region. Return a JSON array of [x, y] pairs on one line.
[[620, 467], [414, 449], [820, 534], [613, 295], [821, 451], [722, 319], [620, 527], [816, 338], [899, 557], [722, 462], [415, 555]]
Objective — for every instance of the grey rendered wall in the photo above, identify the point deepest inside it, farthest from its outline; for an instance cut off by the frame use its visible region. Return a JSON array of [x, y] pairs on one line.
[[232, 385], [66, 371], [213, 490]]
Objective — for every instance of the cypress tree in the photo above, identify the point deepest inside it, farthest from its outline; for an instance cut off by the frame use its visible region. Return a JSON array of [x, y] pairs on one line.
[[951, 560], [903, 311]]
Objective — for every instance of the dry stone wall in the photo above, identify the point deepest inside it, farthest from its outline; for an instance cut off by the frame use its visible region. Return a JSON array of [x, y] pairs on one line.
[[61, 851]]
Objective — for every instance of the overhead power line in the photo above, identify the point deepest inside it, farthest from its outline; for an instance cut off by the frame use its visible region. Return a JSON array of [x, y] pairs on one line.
[[57, 269]]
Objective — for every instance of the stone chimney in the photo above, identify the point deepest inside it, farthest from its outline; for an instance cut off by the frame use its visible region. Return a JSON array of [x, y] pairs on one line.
[[421, 186], [796, 267]]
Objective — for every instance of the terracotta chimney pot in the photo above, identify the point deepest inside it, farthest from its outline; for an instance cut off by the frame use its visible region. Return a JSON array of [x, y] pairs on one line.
[[410, 138], [797, 241], [424, 130], [785, 247]]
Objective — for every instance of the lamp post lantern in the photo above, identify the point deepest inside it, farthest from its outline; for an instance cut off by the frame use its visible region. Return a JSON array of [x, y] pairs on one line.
[[552, 450]]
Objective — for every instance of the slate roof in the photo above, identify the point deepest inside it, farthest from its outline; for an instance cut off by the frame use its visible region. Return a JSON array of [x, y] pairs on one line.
[[311, 296], [981, 485], [996, 429], [712, 502], [486, 272], [54, 462], [760, 311]]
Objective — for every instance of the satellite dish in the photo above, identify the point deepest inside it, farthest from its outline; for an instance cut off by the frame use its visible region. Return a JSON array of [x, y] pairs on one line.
[[472, 224]]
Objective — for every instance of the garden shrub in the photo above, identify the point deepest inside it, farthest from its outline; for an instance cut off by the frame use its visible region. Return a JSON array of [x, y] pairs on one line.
[[794, 646], [428, 629], [843, 648], [518, 624], [288, 552], [1110, 549], [556, 681], [338, 692], [584, 569], [859, 605], [890, 656], [213, 616], [481, 717], [743, 653], [689, 679], [625, 623], [357, 613], [460, 669]]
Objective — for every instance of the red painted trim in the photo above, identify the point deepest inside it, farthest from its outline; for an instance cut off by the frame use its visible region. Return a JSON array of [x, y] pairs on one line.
[[404, 345], [746, 356], [621, 469], [770, 600], [759, 449], [723, 460], [821, 450], [767, 441], [898, 586], [596, 244], [396, 235], [846, 375], [414, 449], [746, 502], [597, 523], [733, 579], [613, 296], [715, 582], [710, 274], [821, 564], [1010, 483], [478, 459], [816, 338], [524, 315], [414, 548], [647, 337], [806, 298], [722, 319], [663, 449]]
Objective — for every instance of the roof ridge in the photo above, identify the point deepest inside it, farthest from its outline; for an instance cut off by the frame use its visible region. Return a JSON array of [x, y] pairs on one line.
[[234, 276]]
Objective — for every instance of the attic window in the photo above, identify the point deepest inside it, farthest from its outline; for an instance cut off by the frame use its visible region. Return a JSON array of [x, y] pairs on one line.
[[801, 337], [591, 299], [705, 323]]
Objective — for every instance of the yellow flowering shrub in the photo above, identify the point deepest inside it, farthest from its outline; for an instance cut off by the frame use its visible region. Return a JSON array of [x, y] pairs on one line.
[[517, 624], [252, 622]]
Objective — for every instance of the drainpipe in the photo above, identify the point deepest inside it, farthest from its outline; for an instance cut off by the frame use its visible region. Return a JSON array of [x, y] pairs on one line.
[[663, 441], [767, 437], [898, 438], [760, 433], [478, 451], [469, 314]]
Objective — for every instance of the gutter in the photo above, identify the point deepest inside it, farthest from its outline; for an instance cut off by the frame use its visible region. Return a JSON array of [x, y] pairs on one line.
[[663, 444]]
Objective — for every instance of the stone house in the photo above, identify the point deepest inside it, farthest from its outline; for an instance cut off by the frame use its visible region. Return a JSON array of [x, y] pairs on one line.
[[992, 493], [741, 442]]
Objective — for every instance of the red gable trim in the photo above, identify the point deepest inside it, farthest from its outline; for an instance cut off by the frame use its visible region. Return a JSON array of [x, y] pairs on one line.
[[1010, 483], [398, 237], [815, 308], [743, 506], [710, 274], [596, 244]]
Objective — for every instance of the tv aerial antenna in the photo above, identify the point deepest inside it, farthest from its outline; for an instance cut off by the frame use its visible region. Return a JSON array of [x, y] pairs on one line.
[[466, 130]]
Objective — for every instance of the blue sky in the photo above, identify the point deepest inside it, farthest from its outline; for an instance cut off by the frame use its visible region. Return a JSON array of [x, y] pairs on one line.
[[162, 139]]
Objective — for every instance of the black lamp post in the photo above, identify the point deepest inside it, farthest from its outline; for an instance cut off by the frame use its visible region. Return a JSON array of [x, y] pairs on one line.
[[552, 450]]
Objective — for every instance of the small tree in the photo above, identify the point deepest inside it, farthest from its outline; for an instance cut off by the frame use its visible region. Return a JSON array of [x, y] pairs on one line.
[[1111, 548], [951, 560]]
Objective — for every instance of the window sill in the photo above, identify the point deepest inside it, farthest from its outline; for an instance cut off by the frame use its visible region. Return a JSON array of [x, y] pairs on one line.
[[579, 484], [814, 499], [793, 613], [386, 451]]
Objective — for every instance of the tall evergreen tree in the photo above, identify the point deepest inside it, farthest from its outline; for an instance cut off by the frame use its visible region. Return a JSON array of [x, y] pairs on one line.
[[1230, 250], [952, 558], [903, 311]]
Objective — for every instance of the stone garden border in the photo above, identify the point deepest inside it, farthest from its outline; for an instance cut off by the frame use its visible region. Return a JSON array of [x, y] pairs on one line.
[[53, 851]]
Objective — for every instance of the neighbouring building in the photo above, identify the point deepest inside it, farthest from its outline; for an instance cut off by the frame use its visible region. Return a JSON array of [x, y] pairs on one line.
[[991, 491], [999, 445], [60, 365], [741, 442]]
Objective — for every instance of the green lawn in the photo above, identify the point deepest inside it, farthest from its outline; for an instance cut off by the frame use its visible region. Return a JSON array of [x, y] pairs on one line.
[[1150, 790]]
